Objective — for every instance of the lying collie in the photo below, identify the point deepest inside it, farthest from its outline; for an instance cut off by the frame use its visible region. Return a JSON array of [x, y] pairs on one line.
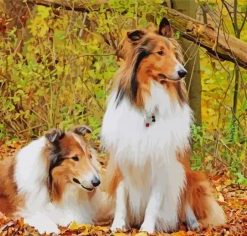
[[146, 129], [52, 181]]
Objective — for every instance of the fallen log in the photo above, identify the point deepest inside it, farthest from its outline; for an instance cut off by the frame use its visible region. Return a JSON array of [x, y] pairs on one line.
[[217, 43]]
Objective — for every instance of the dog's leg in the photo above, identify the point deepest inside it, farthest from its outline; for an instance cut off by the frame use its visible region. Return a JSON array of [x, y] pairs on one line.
[[174, 182], [42, 223], [191, 220], [119, 221], [152, 211]]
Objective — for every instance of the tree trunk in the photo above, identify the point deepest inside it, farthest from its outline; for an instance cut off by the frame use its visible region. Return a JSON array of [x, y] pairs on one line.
[[193, 79]]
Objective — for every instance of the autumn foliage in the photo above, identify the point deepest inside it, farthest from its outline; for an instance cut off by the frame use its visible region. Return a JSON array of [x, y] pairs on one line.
[[57, 68]]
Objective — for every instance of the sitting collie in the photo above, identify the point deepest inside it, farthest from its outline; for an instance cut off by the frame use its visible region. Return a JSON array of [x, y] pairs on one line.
[[146, 130], [52, 181]]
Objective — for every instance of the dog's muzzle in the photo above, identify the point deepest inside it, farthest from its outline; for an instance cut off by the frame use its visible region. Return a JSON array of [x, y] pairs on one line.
[[95, 182]]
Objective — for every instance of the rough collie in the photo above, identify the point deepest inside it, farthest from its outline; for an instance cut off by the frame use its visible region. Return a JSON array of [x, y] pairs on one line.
[[146, 129], [52, 181]]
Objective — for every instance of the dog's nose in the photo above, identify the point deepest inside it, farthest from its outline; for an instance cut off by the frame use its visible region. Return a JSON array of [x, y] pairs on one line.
[[182, 73], [95, 182]]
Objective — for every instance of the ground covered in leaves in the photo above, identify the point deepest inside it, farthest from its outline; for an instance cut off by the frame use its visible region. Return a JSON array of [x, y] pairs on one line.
[[232, 197]]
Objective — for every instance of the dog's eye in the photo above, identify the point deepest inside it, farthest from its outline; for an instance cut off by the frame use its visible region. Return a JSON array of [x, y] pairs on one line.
[[75, 158], [161, 53], [90, 156]]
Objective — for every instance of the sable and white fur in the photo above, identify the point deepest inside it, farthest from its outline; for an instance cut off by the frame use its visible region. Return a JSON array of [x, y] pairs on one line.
[[153, 178], [49, 187], [147, 174]]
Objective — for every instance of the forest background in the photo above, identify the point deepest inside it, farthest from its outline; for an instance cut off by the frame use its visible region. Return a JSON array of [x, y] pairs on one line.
[[58, 60]]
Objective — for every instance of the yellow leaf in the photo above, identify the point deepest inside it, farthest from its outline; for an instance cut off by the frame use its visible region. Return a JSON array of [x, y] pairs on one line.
[[141, 234], [221, 198], [162, 234], [219, 188], [74, 225], [101, 228], [228, 182], [208, 158], [119, 234], [180, 233], [242, 155]]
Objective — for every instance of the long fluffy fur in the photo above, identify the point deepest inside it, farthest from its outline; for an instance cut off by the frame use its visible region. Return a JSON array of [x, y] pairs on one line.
[[199, 196], [147, 173], [40, 188]]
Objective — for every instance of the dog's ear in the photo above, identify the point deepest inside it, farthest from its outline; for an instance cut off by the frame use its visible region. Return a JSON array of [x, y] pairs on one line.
[[135, 35], [54, 135], [82, 130], [165, 28]]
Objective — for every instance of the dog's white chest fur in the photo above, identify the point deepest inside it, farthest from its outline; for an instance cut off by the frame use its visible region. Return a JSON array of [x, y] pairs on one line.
[[124, 129], [146, 156]]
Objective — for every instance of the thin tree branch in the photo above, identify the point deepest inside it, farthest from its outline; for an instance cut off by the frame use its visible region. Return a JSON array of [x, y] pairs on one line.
[[244, 21], [229, 12]]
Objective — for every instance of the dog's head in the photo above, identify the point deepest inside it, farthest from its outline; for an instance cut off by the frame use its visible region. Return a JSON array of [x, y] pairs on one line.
[[149, 55], [157, 54], [71, 161]]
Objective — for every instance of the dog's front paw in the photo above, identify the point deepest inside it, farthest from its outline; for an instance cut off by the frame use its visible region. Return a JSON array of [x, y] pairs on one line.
[[147, 227], [42, 223], [193, 225], [119, 225], [191, 220]]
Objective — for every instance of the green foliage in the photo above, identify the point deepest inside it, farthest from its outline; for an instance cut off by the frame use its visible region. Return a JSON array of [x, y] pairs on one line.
[[210, 149], [61, 74], [58, 72]]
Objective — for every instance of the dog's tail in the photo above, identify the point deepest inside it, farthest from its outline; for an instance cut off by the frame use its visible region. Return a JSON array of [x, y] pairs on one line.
[[201, 199]]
